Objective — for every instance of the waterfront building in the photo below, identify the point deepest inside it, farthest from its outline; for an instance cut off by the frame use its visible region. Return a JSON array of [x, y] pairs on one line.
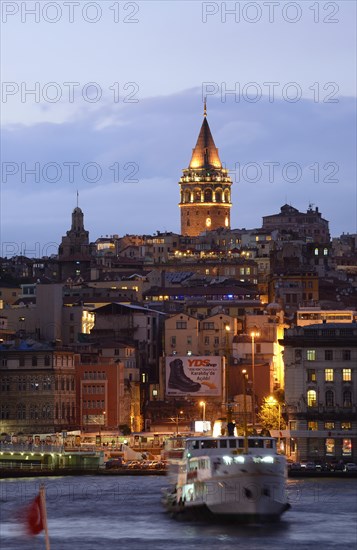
[[321, 391], [37, 388]]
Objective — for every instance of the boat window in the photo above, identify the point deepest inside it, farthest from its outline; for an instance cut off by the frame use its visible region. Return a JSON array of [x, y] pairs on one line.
[[223, 443], [196, 444], [268, 443], [241, 443], [209, 444], [232, 443], [255, 442]]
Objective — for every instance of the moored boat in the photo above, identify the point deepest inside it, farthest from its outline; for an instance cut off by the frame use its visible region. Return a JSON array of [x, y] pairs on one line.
[[235, 478]]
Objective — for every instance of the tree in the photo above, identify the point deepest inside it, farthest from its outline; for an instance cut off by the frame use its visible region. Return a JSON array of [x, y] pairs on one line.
[[269, 414]]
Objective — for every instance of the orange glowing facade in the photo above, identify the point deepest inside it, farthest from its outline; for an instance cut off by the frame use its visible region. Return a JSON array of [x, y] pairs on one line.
[[205, 188]]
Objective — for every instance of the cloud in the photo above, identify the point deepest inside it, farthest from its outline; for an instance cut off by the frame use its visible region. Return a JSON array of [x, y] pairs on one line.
[[151, 141]]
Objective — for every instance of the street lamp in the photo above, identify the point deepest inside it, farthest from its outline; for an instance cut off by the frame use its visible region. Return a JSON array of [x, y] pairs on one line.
[[176, 419], [203, 405], [244, 372], [253, 334], [229, 412]]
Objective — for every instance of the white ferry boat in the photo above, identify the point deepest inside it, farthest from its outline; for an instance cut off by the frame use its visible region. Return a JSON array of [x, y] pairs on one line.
[[236, 478]]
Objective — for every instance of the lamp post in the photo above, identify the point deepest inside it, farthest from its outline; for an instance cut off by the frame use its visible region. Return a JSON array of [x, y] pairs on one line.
[[244, 373], [229, 412], [203, 405], [176, 420], [253, 334]]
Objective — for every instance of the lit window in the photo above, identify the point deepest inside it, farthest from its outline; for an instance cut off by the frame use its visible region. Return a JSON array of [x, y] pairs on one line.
[[312, 425], [328, 375], [346, 447], [311, 375], [330, 446], [311, 398], [346, 375], [329, 425], [346, 425], [311, 354]]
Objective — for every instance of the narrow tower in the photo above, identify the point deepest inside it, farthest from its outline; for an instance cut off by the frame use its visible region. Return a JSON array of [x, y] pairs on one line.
[[205, 187]]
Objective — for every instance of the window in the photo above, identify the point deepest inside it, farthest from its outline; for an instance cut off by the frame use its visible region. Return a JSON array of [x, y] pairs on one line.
[[347, 399], [34, 361], [330, 446], [22, 362], [206, 340], [328, 355], [208, 326], [346, 375], [346, 425], [189, 340], [346, 355], [173, 341], [216, 341], [311, 354], [328, 375], [311, 398], [329, 398], [21, 411], [346, 447], [181, 324], [312, 425], [298, 355], [311, 375], [329, 425]]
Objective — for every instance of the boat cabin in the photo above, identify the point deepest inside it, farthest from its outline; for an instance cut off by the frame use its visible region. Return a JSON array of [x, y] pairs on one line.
[[203, 445]]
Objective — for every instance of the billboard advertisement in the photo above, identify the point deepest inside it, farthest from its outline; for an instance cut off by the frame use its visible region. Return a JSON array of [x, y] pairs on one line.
[[194, 375]]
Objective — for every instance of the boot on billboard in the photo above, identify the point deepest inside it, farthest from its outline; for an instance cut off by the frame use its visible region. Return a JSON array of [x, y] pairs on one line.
[[178, 379]]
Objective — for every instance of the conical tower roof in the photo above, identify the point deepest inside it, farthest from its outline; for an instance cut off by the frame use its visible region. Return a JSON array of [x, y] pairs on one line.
[[205, 154]]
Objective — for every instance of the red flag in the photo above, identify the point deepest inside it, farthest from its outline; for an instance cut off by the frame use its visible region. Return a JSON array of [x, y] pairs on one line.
[[34, 519]]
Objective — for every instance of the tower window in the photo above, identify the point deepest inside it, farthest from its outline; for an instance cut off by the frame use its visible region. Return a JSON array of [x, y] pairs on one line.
[[208, 222]]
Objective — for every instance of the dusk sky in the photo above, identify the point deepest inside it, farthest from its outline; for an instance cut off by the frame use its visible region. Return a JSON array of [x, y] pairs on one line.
[[288, 133]]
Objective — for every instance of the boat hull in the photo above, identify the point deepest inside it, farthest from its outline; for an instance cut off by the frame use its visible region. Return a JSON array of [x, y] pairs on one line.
[[241, 499]]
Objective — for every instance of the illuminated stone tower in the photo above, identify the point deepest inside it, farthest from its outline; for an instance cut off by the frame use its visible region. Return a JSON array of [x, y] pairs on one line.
[[205, 188]]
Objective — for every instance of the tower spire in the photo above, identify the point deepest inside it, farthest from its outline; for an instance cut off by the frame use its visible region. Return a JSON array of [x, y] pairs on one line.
[[205, 107]]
